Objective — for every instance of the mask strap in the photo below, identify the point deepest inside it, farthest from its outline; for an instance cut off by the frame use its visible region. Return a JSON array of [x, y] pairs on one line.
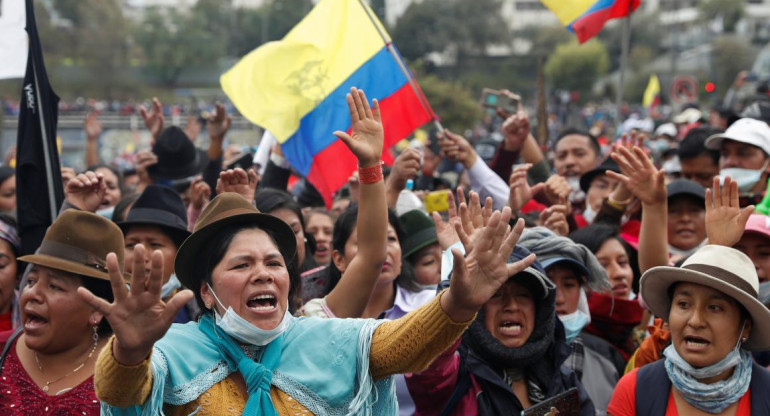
[[223, 306], [740, 335]]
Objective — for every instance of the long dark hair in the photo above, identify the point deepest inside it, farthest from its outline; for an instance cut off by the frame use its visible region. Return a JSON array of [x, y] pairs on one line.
[[218, 246], [344, 227], [595, 235]]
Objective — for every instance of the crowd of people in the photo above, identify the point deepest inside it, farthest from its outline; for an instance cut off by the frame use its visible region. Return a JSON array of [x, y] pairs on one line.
[[596, 276]]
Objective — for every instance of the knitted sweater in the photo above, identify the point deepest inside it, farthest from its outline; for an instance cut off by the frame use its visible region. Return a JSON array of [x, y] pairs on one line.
[[408, 344]]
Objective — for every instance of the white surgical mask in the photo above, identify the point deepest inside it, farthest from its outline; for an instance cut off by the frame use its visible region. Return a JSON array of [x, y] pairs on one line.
[[589, 214], [577, 195], [745, 178], [243, 330]]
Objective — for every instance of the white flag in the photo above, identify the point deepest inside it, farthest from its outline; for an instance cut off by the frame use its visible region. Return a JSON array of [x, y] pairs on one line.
[[13, 39]]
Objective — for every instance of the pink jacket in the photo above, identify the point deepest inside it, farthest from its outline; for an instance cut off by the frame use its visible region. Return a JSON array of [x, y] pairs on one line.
[[432, 388]]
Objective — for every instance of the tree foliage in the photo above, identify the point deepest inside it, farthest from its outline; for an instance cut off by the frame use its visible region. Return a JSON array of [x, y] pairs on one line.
[[451, 101], [730, 11], [465, 27], [576, 67]]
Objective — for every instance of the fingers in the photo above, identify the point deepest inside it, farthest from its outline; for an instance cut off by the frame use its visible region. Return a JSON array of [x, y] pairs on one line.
[[253, 177], [459, 268], [745, 214], [452, 205], [349, 142], [537, 188], [359, 104], [733, 194], [138, 275], [463, 236], [376, 110], [365, 104], [515, 268], [349, 97], [512, 238], [175, 304], [487, 211], [101, 305], [119, 291], [156, 273]]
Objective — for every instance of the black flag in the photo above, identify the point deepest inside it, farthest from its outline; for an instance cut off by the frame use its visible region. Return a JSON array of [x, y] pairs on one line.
[[39, 190]]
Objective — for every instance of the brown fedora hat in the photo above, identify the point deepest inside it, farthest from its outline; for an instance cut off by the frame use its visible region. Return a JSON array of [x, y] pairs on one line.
[[78, 242], [228, 208], [722, 268]]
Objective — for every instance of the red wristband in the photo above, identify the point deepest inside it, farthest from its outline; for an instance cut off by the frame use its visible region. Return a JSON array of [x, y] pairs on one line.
[[372, 174]]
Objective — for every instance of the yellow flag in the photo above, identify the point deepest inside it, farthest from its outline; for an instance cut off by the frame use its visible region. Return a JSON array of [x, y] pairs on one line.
[[652, 92]]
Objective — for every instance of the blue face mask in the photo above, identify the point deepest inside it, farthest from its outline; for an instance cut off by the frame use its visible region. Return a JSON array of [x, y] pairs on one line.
[[574, 323], [106, 212], [242, 330], [745, 178], [732, 359]]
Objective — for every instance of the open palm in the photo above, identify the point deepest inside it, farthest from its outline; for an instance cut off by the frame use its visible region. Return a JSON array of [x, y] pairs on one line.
[[366, 136]]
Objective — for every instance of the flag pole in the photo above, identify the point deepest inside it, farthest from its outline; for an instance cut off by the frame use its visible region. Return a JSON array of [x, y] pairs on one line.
[[46, 151], [402, 66]]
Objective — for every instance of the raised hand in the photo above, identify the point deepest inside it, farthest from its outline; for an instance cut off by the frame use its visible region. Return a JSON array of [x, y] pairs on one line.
[[639, 175], [521, 192], [153, 119], [92, 126], [725, 220], [143, 160], [138, 316], [516, 130], [557, 189], [219, 123], [86, 191], [200, 193], [477, 276], [445, 230], [238, 181], [473, 216], [367, 138], [406, 166], [456, 148], [555, 218]]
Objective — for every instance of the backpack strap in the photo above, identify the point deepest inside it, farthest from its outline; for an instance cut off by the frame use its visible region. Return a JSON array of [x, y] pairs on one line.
[[652, 389], [8, 344]]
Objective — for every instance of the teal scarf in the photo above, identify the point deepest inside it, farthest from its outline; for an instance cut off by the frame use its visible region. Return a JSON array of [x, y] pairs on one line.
[[258, 375]]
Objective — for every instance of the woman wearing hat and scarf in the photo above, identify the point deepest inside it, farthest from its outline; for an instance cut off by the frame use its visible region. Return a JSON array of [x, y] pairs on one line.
[[247, 353], [575, 272], [715, 319], [158, 220], [9, 273], [48, 364], [510, 359]]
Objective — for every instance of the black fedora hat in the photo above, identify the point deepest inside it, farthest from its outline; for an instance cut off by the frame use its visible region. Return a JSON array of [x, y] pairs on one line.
[[588, 177], [178, 157], [160, 206]]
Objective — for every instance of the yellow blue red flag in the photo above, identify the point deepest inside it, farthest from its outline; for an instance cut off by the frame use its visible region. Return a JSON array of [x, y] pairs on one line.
[[585, 18], [295, 88]]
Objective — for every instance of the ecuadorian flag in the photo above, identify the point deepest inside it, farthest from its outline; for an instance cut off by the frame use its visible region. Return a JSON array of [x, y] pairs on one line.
[[585, 18], [295, 88]]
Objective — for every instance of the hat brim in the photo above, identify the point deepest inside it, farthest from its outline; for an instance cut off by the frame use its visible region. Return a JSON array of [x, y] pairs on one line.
[[171, 173], [536, 281], [57, 263], [656, 282], [419, 240], [548, 262], [176, 234], [187, 264]]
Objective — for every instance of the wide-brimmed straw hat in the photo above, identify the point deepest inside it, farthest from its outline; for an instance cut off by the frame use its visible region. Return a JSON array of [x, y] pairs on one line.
[[721, 268], [228, 208], [78, 242]]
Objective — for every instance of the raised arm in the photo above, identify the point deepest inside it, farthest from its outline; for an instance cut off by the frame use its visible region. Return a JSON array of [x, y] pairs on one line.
[[93, 129], [351, 295], [725, 220], [646, 183]]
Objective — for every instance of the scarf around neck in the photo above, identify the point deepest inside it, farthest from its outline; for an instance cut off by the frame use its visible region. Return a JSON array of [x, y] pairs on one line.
[[714, 397], [529, 356], [258, 375]]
